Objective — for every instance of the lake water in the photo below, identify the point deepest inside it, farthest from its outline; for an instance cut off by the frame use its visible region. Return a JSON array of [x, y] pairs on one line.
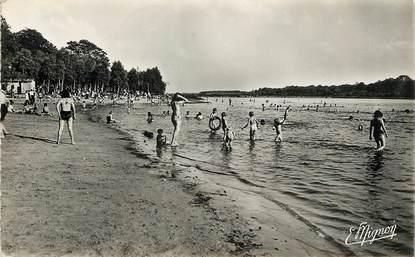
[[325, 169]]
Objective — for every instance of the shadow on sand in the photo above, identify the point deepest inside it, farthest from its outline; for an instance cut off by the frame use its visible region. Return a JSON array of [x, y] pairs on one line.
[[35, 138]]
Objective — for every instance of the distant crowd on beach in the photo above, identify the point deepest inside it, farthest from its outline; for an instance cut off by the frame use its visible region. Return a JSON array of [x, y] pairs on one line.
[[65, 108]]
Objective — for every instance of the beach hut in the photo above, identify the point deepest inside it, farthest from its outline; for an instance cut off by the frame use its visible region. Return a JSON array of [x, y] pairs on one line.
[[19, 86]]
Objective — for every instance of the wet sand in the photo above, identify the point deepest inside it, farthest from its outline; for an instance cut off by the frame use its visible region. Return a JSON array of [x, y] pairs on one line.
[[101, 198]]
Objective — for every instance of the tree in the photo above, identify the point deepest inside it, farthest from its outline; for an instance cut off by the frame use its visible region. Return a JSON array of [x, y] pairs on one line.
[[132, 78], [33, 41], [92, 66], [24, 64], [79, 65], [8, 41], [118, 77], [151, 81]]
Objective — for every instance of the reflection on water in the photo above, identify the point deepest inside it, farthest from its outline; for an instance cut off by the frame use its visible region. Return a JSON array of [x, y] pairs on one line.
[[377, 161], [325, 169]]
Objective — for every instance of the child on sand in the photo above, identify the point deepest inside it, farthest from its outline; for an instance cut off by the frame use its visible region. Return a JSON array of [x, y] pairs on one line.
[[187, 115], [253, 126], [109, 118], [161, 139], [10, 108], [45, 110], [26, 108], [379, 131], [277, 126]]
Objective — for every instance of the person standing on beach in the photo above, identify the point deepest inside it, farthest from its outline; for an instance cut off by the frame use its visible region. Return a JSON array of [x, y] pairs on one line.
[[4, 105], [66, 112], [176, 100]]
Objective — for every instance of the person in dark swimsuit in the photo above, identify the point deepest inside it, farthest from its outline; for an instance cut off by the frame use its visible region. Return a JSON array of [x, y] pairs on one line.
[[224, 123], [377, 126], [66, 111]]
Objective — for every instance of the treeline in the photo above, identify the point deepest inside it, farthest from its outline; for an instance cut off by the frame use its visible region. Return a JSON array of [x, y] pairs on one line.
[[227, 93], [80, 65], [400, 87]]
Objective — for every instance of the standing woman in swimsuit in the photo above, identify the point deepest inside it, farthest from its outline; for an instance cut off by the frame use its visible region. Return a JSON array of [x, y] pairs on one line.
[[176, 100], [66, 113]]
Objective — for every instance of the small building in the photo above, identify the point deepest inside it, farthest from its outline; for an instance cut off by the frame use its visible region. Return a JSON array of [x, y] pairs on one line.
[[18, 86]]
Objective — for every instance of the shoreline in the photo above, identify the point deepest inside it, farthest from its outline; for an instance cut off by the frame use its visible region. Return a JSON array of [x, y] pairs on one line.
[[95, 198], [230, 201], [234, 211]]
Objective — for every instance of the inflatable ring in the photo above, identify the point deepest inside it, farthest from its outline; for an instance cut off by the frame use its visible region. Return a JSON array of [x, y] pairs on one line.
[[212, 122]]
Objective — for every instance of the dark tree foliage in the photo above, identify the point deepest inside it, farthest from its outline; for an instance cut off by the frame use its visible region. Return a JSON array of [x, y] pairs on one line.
[[400, 87], [151, 81], [118, 79], [80, 65], [132, 80]]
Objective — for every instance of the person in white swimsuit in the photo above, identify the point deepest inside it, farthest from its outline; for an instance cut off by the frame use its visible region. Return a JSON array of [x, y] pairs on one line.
[[253, 126], [176, 100]]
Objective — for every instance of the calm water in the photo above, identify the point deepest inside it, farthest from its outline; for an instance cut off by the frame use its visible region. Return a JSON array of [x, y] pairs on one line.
[[326, 170]]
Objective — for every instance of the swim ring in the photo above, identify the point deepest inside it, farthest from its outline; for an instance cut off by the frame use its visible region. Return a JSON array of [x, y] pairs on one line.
[[215, 123]]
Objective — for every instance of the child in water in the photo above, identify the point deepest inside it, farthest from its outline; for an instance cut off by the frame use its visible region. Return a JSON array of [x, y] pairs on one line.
[[253, 126], [228, 138], [187, 115], [161, 139], [277, 126], [379, 131], [224, 123], [149, 117], [211, 118], [199, 116]]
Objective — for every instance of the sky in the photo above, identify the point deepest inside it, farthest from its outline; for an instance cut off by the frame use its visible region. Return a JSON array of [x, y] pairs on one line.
[[203, 45]]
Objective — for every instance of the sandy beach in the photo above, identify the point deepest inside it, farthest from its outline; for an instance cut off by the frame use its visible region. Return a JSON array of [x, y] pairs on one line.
[[102, 197]]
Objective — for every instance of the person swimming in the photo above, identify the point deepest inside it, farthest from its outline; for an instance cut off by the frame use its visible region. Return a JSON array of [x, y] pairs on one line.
[[199, 116]]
